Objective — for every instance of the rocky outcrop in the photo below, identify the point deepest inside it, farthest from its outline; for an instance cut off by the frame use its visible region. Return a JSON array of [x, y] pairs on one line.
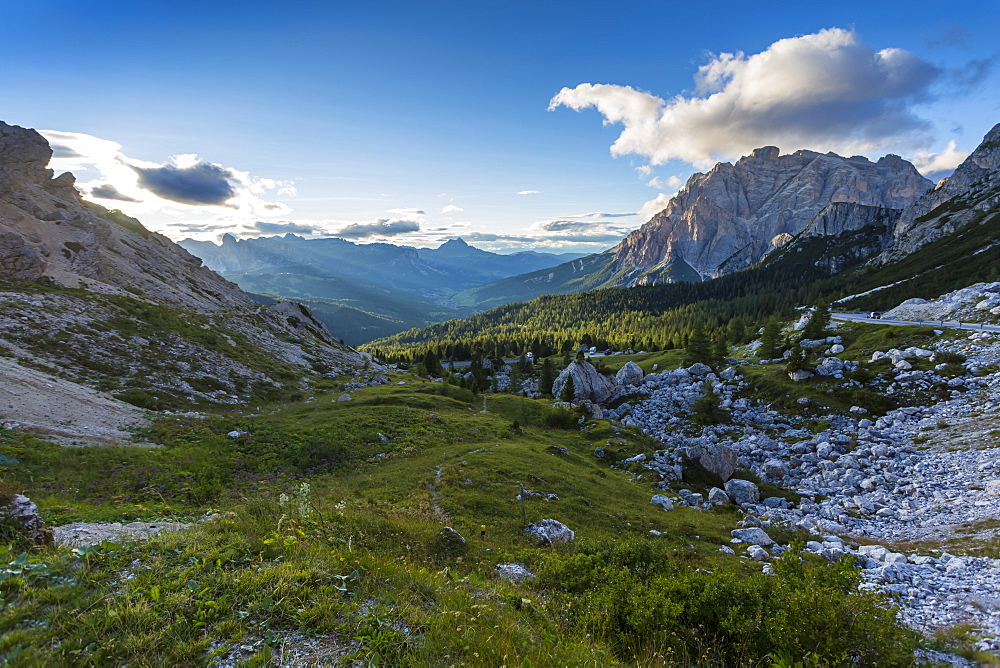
[[842, 217], [46, 229], [218, 344], [21, 514], [743, 209], [970, 195], [589, 384]]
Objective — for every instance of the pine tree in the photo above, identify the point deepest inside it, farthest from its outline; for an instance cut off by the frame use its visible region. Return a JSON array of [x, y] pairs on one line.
[[524, 366], [818, 321], [737, 331], [568, 392], [699, 348], [547, 377], [432, 365], [720, 351], [769, 339]]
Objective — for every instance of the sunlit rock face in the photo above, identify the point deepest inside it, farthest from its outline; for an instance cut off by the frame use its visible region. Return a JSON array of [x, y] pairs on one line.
[[728, 219]]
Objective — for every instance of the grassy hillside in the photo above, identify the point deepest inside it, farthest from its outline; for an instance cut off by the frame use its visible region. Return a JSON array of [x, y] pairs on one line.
[[323, 538]]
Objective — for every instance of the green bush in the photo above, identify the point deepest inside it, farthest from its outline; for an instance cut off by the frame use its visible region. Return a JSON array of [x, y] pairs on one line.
[[636, 597], [560, 418]]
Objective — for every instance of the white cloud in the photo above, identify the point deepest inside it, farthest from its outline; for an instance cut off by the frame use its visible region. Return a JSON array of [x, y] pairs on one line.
[[408, 212], [654, 206], [451, 208], [670, 183], [528, 192], [823, 91], [935, 164]]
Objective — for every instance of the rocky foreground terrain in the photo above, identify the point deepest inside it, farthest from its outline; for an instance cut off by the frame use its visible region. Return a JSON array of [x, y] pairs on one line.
[[914, 495]]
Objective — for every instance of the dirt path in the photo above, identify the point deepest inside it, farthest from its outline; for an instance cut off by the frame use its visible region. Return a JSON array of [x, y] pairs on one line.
[[68, 412]]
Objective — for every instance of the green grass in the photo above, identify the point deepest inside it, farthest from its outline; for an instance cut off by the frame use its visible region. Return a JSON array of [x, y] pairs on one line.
[[664, 359], [353, 558]]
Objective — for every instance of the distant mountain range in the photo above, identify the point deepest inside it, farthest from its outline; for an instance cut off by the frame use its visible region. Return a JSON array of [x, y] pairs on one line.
[[364, 291], [723, 221]]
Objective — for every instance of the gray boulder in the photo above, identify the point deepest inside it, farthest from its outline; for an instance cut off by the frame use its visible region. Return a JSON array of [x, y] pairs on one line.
[[629, 375], [775, 468], [728, 374], [589, 385], [344, 397], [753, 535], [742, 491], [801, 374], [699, 369], [551, 532], [757, 553], [717, 497], [720, 460], [663, 501], [514, 572]]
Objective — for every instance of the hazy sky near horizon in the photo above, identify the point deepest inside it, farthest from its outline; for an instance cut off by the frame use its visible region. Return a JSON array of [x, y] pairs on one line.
[[516, 125]]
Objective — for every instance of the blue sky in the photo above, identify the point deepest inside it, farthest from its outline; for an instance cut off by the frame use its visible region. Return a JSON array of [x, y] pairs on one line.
[[417, 122]]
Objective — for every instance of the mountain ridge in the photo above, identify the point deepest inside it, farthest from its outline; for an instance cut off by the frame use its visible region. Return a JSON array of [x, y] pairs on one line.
[[726, 220]]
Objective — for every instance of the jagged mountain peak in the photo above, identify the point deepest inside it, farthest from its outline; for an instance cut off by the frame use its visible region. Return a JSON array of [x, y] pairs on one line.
[[457, 242], [736, 210]]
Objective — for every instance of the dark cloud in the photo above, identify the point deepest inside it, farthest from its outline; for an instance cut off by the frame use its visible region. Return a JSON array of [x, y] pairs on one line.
[[560, 225], [201, 184], [60, 151], [383, 227], [952, 34], [973, 73], [108, 191], [282, 228]]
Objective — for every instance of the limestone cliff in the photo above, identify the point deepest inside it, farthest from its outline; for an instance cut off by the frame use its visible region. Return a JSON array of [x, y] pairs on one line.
[[740, 212]]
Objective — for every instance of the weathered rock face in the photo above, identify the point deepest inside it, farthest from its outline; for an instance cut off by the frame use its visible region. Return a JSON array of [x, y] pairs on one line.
[[841, 217], [47, 230], [739, 210], [588, 383], [970, 195]]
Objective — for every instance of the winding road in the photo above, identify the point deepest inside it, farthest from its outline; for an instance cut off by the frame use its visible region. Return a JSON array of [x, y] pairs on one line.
[[944, 324]]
